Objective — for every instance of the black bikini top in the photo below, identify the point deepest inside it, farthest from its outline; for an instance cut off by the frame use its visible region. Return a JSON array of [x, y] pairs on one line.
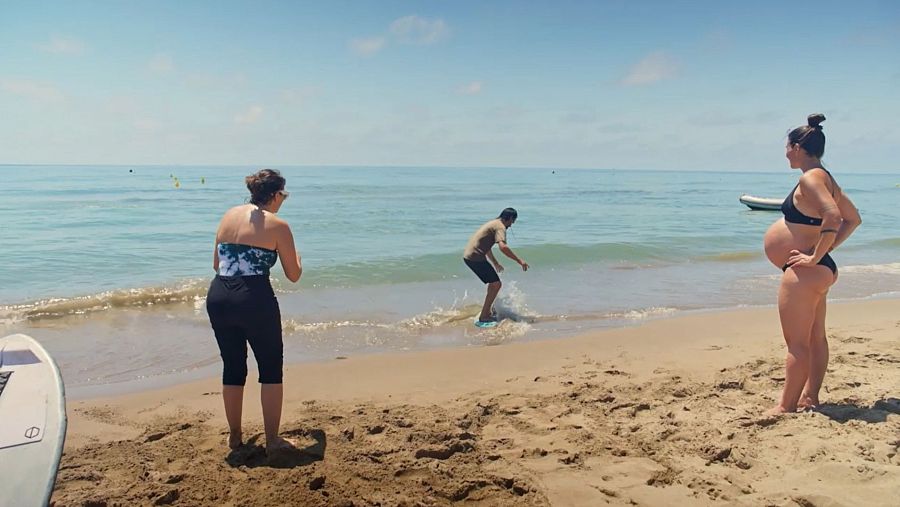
[[795, 216]]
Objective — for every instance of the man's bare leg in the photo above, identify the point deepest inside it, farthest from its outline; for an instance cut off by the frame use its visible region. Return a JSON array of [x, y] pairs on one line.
[[493, 289]]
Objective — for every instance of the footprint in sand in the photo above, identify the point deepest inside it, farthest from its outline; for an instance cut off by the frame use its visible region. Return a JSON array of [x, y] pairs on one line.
[[883, 358], [730, 384], [171, 429], [762, 422], [852, 339], [103, 414]]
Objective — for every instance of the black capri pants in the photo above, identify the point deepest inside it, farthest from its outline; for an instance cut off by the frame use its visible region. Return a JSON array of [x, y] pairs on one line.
[[242, 310]]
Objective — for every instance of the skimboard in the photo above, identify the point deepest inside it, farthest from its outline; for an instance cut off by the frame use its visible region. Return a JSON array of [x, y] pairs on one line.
[[484, 324], [32, 422]]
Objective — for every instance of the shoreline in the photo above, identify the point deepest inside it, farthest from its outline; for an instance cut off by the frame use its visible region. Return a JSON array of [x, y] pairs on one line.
[[87, 392], [667, 411]]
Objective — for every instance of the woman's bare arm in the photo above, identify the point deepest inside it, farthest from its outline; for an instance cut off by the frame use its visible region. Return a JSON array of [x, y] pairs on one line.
[[290, 257]]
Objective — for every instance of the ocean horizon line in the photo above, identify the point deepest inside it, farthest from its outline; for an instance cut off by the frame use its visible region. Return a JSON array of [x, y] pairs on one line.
[[427, 167]]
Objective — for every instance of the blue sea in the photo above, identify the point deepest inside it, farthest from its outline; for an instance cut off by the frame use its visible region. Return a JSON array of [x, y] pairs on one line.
[[108, 266]]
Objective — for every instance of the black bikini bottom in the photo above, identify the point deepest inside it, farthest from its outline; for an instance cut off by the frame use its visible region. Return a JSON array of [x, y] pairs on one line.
[[826, 261]]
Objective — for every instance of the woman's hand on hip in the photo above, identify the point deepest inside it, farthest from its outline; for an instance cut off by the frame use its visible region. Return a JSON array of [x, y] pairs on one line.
[[799, 259]]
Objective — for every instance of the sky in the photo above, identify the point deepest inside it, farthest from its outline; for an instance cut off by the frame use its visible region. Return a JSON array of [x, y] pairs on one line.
[[564, 84]]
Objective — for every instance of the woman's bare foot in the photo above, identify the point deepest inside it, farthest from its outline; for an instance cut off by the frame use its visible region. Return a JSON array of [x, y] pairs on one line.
[[278, 444], [235, 440], [807, 403], [775, 411]]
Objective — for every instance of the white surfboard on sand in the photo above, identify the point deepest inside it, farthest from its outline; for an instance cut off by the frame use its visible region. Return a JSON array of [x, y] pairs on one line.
[[32, 422]]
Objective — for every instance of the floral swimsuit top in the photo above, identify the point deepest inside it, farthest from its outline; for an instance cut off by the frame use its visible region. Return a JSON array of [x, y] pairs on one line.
[[245, 260]]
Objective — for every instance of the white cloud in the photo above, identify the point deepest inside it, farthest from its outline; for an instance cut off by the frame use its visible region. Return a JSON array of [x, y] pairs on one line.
[[405, 30], [652, 68], [63, 46], [250, 116], [34, 90], [417, 30], [161, 64], [473, 88], [367, 47]]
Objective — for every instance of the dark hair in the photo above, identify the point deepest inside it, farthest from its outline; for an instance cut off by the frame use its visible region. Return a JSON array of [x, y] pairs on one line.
[[263, 185], [508, 214], [810, 137]]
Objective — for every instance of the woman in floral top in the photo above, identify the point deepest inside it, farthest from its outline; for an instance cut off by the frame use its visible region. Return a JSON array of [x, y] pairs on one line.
[[242, 306]]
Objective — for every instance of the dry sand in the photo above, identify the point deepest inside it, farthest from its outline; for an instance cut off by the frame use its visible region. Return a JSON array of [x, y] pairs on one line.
[[667, 413]]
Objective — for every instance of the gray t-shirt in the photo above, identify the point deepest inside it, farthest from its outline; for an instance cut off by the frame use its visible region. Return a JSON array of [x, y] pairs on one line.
[[484, 238]]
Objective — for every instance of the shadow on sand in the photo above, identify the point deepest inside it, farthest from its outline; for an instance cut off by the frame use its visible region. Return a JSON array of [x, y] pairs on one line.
[[253, 455], [877, 413]]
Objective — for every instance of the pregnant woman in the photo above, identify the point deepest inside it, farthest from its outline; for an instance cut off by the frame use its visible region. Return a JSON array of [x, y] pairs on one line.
[[818, 217]]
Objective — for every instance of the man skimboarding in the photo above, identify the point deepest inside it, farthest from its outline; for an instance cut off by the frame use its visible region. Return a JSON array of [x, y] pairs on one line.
[[478, 253]]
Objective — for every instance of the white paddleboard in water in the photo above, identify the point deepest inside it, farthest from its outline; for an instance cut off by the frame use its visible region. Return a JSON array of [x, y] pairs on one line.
[[32, 422]]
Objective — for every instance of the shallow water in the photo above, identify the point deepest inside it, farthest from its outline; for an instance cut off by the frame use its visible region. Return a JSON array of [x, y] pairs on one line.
[[109, 268]]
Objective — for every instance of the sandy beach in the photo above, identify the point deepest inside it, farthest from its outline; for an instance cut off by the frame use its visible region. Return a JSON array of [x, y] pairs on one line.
[[665, 413]]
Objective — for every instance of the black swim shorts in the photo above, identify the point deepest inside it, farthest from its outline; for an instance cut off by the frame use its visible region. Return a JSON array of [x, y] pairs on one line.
[[484, 270]]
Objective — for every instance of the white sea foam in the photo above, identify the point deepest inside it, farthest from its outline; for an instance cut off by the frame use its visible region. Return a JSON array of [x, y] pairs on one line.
[[892, 268]]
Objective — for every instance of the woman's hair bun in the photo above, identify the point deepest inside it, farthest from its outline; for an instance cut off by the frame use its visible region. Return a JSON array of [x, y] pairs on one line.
[[263, 185], [815, 119], [252, 182]]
